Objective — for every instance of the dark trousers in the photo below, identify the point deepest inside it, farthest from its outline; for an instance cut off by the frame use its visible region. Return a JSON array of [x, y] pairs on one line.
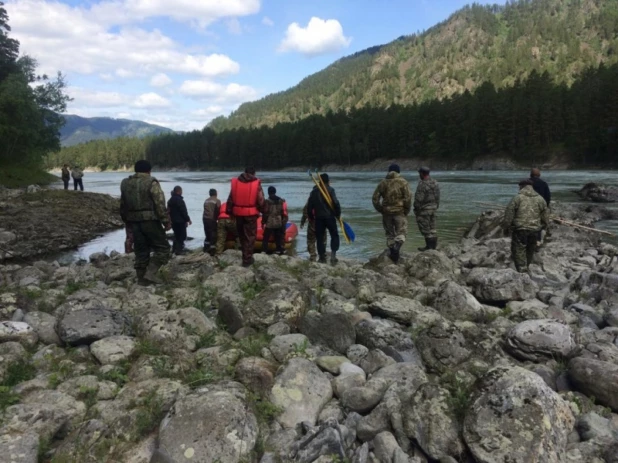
[[66, 183], [321, 225], [523, 245], [210, 230], [76, 182], [279, 235], [180, 235], [149, 235], [247, 232]]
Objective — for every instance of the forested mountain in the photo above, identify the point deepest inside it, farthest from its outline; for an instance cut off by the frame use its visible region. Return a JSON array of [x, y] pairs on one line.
[[79, 129], [476, 45]]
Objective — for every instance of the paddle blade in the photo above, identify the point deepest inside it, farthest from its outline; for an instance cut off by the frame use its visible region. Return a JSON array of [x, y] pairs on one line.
[[349, 232]]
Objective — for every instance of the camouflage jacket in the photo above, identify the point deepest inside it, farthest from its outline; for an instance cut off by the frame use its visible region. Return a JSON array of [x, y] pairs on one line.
[[393, 195], [275, 213], [427, 197], [66, 174], [526, 211], [142, 199]]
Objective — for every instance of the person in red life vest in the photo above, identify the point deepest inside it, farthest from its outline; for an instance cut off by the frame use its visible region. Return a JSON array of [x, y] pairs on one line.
[[274, 220], [245, 203]]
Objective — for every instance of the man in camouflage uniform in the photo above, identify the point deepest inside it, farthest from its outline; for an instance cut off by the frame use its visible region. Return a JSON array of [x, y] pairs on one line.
[[526, 215], [393, 199], [426, 203], [225, 226], [142, 207], [311, 238]]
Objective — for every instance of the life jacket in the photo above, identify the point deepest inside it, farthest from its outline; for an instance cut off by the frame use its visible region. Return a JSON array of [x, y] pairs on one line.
[[223, 213], [138, 199], [244, 198]]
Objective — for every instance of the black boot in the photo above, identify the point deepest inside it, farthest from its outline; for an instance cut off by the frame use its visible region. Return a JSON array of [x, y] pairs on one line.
[[427, 245], [322, 259], [333, 258], [395, 251], [434, 243]]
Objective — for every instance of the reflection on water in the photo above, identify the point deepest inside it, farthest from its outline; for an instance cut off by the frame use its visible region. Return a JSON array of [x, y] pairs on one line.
[[460, 192]]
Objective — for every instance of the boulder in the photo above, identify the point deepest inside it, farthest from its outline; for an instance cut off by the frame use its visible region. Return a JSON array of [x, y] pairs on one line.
[[350, 376], [44, 325], [84, 324], [374, 423], [19, 448], [387, 336], [442, 347], [356, 353], [334, 330], [77, 387], [213, 423], [322, 444], [184, 325], [538, 340], [592, 426], [280, 303], [611, 316], [596, 378], [256, 373], [430, 267], [527, 310], [456, 303], [301, 390], [498, 286], [282, 346], [331, 363], [113, 350], [375, 360], [230, 313], [517, 417], [598, 193], [18, 332], [386, 449], [403, 310]]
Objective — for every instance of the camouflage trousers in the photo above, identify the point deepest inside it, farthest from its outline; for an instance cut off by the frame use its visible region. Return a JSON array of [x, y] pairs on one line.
[[427, 225], [247, 232], [312, 241], [150, 235], [396, 228], [225, 226], [523, 246]]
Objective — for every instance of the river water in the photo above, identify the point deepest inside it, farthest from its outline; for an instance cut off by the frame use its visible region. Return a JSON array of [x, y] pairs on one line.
[[460, 192]]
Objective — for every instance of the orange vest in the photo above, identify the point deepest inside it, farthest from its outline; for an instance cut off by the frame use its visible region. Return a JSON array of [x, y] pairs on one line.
[[244, 197], [223, 212]]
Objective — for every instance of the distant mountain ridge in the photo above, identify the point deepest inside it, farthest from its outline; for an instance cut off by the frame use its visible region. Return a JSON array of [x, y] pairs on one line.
[[84, 129], [477, 44]]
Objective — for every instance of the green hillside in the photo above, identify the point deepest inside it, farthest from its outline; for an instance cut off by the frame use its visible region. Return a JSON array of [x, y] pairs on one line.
[[478, 44]]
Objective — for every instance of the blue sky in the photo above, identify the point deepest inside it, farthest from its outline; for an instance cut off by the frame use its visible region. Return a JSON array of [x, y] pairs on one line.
[[182, 63]]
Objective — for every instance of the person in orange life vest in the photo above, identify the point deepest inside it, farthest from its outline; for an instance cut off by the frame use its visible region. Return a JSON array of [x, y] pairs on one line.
[[245, 203], [274, 220], [225, 226]]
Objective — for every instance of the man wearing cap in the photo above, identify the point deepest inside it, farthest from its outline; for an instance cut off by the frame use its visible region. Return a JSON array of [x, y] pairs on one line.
[[393, 199], [426, 203], [142, 207], [526, 215]]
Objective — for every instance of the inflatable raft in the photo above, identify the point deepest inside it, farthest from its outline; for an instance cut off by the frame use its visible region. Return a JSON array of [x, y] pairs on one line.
[[291, 232]]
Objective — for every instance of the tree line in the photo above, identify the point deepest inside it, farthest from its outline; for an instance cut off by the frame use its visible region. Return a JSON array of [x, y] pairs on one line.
[[529, 122]]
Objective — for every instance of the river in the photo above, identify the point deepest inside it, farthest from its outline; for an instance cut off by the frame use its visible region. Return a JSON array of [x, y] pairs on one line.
[[460, 190]]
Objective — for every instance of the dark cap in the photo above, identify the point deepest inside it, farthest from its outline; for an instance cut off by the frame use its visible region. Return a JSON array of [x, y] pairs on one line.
[[423, 170], [272, 190], [143, 166], [324, 178], [212, 192], [394, 168], [525, 182]]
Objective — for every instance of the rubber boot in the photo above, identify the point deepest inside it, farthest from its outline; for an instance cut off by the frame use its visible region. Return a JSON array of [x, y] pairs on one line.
[[322, 259], [395, 254], [427, 245], [141, 272], [151, 274], [333, 258], [433, 242]]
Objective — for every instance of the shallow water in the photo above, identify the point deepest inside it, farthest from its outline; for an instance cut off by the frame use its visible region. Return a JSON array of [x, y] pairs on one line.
[[460, 191]]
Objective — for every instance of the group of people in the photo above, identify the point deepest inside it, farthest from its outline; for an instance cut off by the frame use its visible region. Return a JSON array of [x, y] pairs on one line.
[[76, 173]]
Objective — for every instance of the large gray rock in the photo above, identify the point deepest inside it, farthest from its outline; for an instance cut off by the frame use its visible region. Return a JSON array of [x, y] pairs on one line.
[[44, 325], [83, 324], [500, 286], [282, 346], [112, 350], [184, 325], [301, 390], [517, 417], [404, 310], [350, 376], [280, 303], [386, 449], [442, 347], [19, 448], [334, 330], [592, 426], [18, 332], [387, 336], [321, 444], [429, 420], [538, 340], [430, 267], [598, 286], [256, 373], [213, 423], [456, 303], [596, 378]]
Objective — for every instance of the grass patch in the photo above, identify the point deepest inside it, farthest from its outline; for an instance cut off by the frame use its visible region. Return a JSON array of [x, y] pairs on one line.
[[73, 286], [251, 290], [19, 176], [149, 414], [460, 397], [88, 395], [485, 318], [205, 296], [7, 398], [252, 346], [18, 373], [265, 411], [118, 375], [147, 347]]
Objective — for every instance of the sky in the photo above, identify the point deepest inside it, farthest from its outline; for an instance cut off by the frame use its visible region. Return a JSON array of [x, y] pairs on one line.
[[181, 63]]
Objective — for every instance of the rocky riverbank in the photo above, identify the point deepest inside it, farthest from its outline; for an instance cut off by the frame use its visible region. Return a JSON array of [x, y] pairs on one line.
[[449, 356], [36, 222]]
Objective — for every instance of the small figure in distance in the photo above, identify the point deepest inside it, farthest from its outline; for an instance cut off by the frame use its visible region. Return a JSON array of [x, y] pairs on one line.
[[78, 176], [142, 207], [311, 238], [180, 220], [525, 216], [393, 199], [325, 218], [426, 203], [542, 188], [66, 176], [274, 220], [245, 203], [212, 207]]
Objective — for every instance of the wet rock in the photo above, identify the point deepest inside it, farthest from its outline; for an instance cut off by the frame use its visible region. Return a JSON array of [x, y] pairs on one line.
[[282, 346], [44, 325], [456, 303], [85, 324], [500, 286], [598, 193], [19, 448], [334, 330], [257, 374], [596, 378], [539, 340], [301, 390], [183, 325], [19, 332], [213, 423], [113, 350], [518, 417]]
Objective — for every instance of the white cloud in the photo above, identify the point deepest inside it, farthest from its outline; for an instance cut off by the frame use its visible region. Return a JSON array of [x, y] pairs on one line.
[[160, 80], [319, 37], [230, 93], [267, 21], [84, 97], [233, 26], [151, 100]]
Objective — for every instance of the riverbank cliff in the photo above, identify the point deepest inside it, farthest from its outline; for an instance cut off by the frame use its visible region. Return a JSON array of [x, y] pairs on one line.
[[450, 356]]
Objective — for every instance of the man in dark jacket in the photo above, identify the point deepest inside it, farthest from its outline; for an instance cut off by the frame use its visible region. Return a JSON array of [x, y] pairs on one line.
[[66, 176], [180, 219], [325, 218], [274, 220], [542, 188], [212, 207]]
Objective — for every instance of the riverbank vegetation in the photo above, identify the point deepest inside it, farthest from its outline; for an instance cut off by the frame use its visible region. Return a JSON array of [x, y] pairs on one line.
[[30, 107], [530, 121]]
